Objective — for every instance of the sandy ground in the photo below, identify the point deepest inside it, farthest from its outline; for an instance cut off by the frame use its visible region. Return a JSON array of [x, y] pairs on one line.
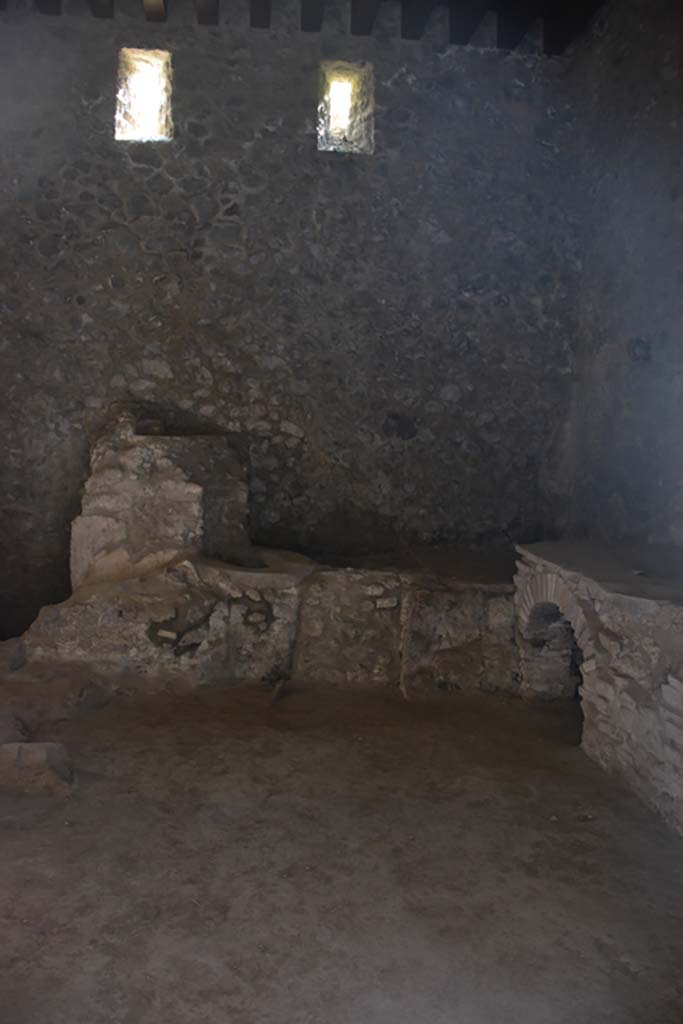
[[341, 859]]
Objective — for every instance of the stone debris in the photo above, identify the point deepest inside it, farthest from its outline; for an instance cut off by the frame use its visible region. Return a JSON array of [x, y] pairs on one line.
[[35, 768]]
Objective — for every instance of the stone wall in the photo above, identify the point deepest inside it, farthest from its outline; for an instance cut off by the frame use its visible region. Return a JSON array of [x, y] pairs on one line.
[[200, 622], [631, 674], [161, 593], [391, 334], [627, 83]]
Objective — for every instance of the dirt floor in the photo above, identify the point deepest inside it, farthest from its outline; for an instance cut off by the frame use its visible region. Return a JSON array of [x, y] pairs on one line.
[[338, 859]]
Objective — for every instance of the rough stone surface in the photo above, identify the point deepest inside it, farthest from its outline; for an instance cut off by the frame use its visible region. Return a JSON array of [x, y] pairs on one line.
[[199, 620], [150, 500], [631, 672], [36, 768], [391, 333], [460, 638], [204, 622], [350, 630], [147, 604]]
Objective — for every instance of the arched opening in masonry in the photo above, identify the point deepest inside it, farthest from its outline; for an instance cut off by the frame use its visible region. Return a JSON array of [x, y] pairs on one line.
[[551, 658]]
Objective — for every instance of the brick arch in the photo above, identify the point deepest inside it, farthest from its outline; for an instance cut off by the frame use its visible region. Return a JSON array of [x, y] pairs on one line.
[[550, 588], [545, 647]]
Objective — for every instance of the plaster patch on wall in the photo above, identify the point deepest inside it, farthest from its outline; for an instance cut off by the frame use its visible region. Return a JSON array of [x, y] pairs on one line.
[[347, 107], [143, 100]]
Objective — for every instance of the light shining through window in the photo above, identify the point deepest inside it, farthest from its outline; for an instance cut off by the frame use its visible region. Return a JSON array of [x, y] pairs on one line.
[[143, 102], [346, 107], [341, 92]]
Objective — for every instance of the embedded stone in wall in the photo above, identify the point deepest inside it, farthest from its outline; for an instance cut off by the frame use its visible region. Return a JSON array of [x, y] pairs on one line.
[[350, 628], [151, 499]]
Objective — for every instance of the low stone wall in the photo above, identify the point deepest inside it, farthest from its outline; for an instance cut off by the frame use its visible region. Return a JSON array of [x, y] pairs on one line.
[[168, 586], [631, 673], [553, 632], [407, 629], [211, 623]]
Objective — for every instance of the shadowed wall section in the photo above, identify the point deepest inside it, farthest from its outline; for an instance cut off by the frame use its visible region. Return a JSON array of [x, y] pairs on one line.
[[628, 84]]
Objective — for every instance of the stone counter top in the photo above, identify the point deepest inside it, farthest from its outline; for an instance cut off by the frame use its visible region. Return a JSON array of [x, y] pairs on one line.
[[652, 572], [456, 563]]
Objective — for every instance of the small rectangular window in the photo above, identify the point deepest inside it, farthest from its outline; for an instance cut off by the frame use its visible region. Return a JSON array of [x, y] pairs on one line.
[[347, 107], [143, 100]]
